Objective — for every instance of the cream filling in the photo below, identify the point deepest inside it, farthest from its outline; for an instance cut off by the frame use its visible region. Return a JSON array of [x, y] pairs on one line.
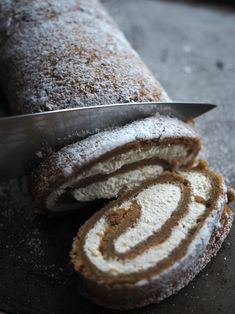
[[199, 182], [151, 220], [114, 185], [159, 202], [168, 153]]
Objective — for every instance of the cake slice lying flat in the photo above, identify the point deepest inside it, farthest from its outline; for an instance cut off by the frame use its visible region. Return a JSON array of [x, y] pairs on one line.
[[152, 241], [103, 165]]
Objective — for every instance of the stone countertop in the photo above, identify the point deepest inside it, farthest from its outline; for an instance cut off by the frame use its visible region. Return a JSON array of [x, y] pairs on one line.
[[191, 50]]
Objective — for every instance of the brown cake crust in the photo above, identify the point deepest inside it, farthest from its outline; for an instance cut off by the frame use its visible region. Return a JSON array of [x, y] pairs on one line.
[[56, 56]]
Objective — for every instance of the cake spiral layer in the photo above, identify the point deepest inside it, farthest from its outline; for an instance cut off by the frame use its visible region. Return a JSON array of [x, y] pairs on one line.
[[105, 164], [150, 242]]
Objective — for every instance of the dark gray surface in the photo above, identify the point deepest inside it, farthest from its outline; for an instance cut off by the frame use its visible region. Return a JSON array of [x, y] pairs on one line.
[[191, 49]]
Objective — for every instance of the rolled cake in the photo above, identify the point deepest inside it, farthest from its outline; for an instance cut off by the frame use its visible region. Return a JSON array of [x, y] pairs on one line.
[[68, 53], [152, 241], [106, 164]]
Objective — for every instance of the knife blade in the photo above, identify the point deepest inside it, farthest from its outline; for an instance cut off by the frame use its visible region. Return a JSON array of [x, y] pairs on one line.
[[24, 137]]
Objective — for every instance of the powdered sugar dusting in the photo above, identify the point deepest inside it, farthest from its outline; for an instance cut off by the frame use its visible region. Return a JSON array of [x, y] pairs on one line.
[[68, 54]]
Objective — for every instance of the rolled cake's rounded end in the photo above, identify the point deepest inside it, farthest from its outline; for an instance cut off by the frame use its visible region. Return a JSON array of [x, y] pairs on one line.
[[153, 240], [110, 162]]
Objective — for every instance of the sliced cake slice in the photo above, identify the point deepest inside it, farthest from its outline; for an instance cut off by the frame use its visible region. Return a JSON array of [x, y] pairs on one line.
[[152, 241], [105, 164]]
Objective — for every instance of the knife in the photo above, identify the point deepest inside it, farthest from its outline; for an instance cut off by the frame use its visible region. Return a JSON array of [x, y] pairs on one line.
[[24, 138]]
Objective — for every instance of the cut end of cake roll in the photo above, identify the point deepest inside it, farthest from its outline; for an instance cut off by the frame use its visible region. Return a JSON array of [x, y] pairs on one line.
[[105, 164], [149, 243]]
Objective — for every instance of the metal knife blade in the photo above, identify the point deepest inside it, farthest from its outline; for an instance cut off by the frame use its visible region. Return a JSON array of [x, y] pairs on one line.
[[23, 137]]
